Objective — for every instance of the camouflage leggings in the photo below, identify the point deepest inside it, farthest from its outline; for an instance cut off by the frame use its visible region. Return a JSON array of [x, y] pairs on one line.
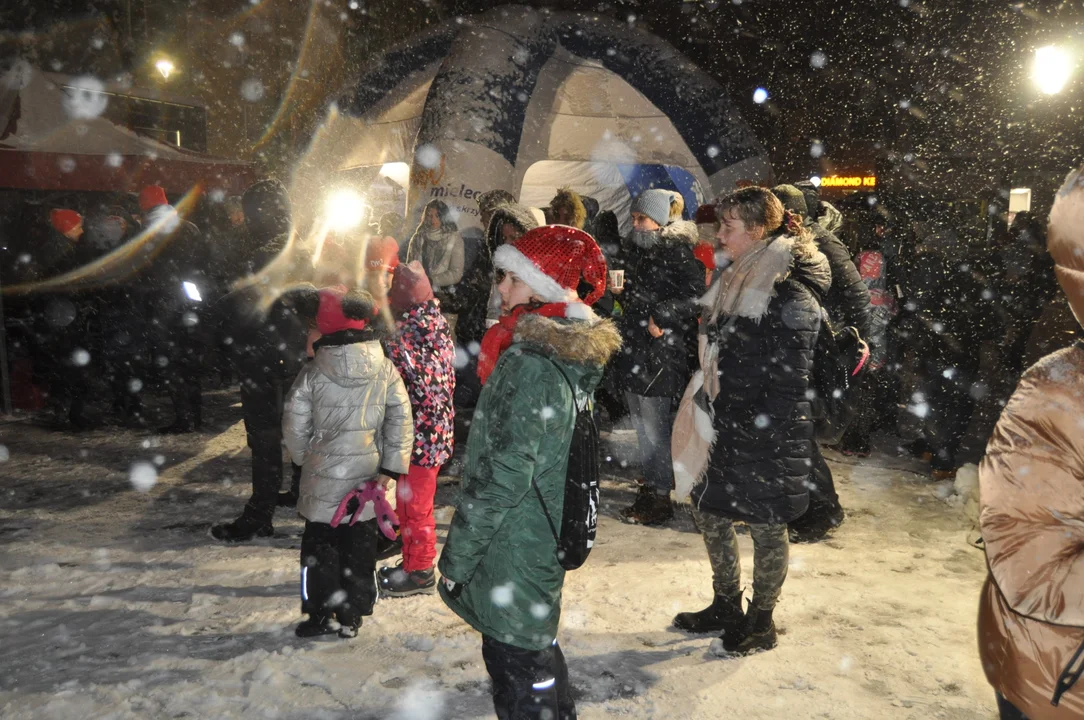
[[771, 550]]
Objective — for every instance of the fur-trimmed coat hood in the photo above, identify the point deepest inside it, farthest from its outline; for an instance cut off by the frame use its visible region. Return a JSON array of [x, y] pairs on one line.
[[586, 342], [570, 198], [680, 232]]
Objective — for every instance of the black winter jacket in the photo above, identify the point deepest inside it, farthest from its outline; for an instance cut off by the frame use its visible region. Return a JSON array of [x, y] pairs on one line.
[[760, 462], [266, 334], [264, 342], [847, 302], [663, 282]]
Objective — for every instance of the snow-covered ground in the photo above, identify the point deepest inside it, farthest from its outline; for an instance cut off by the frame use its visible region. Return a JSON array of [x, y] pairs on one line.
[[115, 603]]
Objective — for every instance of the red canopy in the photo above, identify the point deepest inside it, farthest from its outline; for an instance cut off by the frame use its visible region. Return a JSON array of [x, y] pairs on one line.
[[36, 170]]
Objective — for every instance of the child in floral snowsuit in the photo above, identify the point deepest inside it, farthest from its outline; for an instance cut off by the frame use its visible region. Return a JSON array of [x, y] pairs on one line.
[[424, 354]]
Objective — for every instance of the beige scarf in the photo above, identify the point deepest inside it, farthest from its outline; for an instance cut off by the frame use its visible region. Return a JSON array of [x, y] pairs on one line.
[[744, 289]]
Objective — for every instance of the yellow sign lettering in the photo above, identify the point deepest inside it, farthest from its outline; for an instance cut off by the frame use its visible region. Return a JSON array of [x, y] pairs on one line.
[[849, 181]]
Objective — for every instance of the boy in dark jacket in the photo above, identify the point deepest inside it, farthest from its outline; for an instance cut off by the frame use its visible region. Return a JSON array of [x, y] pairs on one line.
[[499, 568], [663, 280], [424, 355]]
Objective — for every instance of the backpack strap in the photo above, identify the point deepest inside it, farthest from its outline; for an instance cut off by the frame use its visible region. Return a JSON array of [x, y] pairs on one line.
[[575, 409]]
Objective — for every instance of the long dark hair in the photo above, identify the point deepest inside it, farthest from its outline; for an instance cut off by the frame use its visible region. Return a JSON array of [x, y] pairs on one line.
[[446, 222]]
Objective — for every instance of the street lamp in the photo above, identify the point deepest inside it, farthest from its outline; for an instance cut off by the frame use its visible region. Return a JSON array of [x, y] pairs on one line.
[[1052, 68], [345, 209], [165, 67]]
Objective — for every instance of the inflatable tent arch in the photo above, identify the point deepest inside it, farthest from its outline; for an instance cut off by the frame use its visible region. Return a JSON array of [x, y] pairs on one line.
[[517, 95]]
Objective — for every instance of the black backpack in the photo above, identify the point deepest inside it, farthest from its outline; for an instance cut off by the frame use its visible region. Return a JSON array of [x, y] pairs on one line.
[[579, 521], [839, 358]]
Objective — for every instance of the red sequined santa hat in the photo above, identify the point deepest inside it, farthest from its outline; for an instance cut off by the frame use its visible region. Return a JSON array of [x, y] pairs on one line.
[[552, 259]]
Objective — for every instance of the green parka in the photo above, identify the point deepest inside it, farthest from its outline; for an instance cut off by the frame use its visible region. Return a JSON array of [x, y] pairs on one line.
[[500, 546]]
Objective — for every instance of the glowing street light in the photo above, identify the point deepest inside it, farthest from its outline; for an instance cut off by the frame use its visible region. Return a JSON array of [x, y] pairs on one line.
[[165, 67], [345, 209], [1052, 69]]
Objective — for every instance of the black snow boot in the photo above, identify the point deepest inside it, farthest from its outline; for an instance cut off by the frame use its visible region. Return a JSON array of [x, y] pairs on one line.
[[178, 427], [815, 525], [242, 529], [758, 633], [286, 500], [315, 626], [396, 582], [349, 628], [649, 509], [386, 549], [724, 615]]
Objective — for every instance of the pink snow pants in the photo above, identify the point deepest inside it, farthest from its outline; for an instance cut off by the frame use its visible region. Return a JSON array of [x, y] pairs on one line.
[[414, 505]]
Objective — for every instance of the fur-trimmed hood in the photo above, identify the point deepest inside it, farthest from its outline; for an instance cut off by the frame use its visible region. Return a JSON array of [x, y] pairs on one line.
[[588, 342], [511, 213], [830, 219], [570, 198], [1065, 241], [680, 232]]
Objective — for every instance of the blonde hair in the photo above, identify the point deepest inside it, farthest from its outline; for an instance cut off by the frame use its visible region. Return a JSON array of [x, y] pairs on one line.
[[677, 206]]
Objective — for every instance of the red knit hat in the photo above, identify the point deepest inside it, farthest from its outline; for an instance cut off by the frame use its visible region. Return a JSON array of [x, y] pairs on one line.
[[409, 287], [65, 220], [705, 214], [342, 310], [382, 253], [151, 197], [552, 259]]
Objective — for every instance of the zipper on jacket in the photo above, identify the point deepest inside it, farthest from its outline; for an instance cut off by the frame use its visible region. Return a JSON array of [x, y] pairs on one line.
[[1069, 676]]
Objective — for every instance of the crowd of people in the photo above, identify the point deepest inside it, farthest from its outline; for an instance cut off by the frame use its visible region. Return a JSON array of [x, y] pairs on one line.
[[705, 332]]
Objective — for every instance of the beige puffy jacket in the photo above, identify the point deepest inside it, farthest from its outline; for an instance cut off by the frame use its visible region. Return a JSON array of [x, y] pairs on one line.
[[347, 417], [1031, 493]]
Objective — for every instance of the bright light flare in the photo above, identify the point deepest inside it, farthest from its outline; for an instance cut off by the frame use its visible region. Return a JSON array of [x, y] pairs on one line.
[[345, 209], [165, 67], [760, 96], [1052, 69], [816, 180]]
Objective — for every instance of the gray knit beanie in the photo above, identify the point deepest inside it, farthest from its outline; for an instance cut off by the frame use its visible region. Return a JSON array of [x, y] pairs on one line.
[[655, 204]]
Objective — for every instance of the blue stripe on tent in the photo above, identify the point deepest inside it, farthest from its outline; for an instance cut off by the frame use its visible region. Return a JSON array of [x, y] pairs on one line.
[[661, 177]]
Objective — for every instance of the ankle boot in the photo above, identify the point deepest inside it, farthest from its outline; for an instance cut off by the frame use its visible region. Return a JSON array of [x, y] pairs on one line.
[[724, 615], [758, 633]]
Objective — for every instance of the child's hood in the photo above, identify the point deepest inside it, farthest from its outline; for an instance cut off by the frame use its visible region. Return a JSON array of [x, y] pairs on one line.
[[350, 365]]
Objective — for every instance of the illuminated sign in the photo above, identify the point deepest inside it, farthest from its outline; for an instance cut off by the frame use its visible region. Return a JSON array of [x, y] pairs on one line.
[[849, 181]]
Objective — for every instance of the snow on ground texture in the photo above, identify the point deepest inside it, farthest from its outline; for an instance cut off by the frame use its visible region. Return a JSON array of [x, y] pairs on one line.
[[115, 603]]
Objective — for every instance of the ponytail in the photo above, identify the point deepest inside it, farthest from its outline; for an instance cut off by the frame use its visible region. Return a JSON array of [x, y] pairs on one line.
[[791, 224]]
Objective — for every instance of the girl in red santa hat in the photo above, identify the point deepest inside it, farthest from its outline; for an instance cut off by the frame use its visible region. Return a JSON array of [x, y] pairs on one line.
[[499, 568]]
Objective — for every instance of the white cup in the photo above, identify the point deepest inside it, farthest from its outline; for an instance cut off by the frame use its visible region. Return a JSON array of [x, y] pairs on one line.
[[617, 279]]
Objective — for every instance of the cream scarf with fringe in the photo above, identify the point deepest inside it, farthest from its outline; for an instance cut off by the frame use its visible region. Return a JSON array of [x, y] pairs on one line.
[[744, 289]]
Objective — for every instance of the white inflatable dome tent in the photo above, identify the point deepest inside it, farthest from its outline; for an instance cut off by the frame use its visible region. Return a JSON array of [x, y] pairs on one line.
[[528, 101]]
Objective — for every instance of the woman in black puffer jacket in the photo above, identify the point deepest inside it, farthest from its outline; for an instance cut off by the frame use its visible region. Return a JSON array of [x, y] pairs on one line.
[[758, 332]]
